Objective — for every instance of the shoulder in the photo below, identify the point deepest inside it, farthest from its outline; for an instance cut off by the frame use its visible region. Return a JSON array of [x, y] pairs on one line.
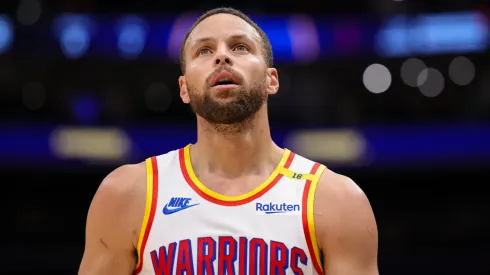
[[339, 189], [123, 181], [340, 207], [119, 202]]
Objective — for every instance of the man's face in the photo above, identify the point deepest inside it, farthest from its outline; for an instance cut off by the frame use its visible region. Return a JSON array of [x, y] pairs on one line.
[[226, 78]]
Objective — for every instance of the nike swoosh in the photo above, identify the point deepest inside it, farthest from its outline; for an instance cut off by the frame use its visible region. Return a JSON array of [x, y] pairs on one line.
[[168, 211]]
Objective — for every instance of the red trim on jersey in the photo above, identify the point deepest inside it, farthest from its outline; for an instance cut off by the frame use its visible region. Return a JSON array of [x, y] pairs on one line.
[[152, 213], [306, 226], [229, 203]]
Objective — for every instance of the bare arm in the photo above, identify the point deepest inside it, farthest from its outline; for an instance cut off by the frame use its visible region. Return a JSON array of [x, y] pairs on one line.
[[113, 223], [346, 227]]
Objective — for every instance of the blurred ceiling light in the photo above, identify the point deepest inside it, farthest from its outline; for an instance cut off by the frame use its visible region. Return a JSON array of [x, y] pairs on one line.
[[462, 71], [342, 146], [439, 33], [29, 12], [177, 33], [430, 82], [74, 33], [132, 32], [304, 38], [6, 33], [410, 70], [106, 144], [377, 78]]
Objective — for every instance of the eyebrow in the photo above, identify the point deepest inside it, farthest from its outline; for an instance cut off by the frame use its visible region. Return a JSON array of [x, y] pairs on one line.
[[233, 37]]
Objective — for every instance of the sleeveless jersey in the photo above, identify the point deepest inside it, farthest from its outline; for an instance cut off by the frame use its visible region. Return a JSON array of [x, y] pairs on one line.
[[189, 229]]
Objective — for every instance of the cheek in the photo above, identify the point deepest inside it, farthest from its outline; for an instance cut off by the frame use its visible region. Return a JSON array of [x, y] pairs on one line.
[[255, 61], [195, 77], [256, 65]]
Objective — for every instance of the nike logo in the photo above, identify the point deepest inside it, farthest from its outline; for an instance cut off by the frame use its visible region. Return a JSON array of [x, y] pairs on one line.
[[171, 210]]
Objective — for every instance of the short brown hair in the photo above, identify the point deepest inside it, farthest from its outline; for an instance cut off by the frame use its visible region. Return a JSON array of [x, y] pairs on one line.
[[266, 45]]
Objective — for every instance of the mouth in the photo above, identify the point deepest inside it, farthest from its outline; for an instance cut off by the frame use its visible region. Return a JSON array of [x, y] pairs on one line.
[[224, 79]]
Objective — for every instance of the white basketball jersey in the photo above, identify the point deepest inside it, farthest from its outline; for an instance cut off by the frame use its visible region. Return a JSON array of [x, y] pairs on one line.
[[189, 229]]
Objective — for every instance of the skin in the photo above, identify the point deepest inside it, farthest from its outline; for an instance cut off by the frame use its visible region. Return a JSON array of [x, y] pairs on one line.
[[344, 221]]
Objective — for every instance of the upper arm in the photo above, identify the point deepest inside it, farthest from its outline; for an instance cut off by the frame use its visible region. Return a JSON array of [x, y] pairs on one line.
[[345, 226], [112, 223]]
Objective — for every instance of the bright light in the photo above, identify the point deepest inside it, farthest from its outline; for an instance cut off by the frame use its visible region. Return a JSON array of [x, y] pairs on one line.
[[6, 34], [132, 33], [377, 78], [74, 33]]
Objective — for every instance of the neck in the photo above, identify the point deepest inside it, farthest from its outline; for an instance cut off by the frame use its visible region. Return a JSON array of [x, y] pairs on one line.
[[249, 148]]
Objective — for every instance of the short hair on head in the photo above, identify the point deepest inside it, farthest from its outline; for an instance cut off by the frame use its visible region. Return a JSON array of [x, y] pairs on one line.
[[266, 45]]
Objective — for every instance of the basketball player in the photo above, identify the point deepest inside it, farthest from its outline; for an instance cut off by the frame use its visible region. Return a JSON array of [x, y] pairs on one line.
[[233, 202]]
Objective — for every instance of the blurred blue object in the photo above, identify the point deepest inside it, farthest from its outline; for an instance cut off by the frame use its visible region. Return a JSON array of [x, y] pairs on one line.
[[86, 108], [433, 34], [295, 38], [389, 146], [74, 33], [6, 33], [132, 35]]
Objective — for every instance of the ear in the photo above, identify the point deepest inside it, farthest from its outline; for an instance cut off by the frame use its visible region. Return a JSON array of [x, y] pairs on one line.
[[272, 81], [183, 90]]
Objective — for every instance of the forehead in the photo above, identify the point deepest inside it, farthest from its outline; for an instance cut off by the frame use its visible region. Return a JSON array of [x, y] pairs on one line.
[[222, 26]]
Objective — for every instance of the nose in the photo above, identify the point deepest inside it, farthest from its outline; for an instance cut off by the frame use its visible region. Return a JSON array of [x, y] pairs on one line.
[[223, 59]]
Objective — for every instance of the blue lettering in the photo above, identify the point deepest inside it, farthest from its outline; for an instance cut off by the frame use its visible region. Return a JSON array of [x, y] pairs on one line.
[[272, 208], [173, 202]]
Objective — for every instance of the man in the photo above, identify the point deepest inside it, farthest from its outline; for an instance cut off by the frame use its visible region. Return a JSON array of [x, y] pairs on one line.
[[234, 202]]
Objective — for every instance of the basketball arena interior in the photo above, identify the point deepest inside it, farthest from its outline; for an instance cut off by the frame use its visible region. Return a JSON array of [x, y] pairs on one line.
[[393, 94]]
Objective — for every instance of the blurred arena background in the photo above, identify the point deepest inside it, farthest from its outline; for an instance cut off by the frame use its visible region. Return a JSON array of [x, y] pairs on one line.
[[394, 94]]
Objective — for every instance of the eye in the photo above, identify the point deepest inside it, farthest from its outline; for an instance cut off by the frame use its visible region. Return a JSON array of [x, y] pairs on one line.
[[204, 51], [240, 47]]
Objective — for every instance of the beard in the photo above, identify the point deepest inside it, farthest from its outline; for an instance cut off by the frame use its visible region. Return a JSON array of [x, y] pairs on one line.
[[230, 116]]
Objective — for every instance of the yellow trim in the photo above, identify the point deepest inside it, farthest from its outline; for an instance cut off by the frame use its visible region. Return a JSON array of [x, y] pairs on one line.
[[211, 193], [294, 175], [149, 198], [310, 213]]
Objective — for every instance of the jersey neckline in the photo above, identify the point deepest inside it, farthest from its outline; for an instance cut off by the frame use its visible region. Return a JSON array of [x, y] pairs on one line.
[[214, 197]]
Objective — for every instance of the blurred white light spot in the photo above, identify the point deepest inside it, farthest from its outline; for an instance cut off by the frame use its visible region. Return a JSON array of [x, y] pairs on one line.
[[377, 78], [462, 71], [411, 70], [96, 144], [431, 82], [158, 97], [33, 95], [29, 12], [6, 34], [340, 146]]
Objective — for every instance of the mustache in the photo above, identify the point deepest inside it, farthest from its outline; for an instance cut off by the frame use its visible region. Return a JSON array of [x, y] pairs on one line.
[[224, 69]]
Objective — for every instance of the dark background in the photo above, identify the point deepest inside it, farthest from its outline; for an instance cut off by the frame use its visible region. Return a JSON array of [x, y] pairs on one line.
[[423, 161]]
